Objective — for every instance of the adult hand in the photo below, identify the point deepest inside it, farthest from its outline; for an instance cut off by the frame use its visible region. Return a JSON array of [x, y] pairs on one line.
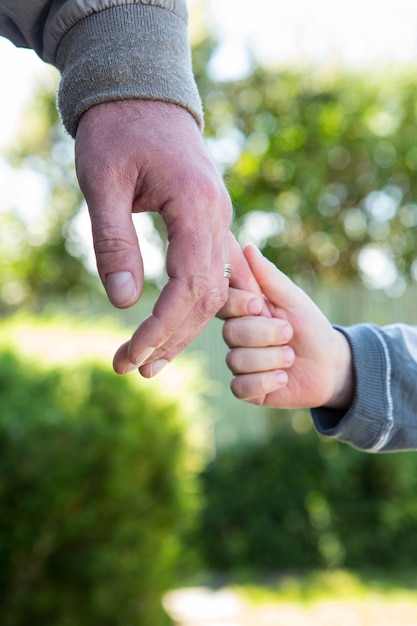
[[250, 298], [134, 156], [292, 359]]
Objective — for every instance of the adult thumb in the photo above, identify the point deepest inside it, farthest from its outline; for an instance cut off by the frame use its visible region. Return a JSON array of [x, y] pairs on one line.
[[116, 246]]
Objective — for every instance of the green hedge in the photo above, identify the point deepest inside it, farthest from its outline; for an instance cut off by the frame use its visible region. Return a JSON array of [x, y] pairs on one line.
[[298, 502], [94, 495]]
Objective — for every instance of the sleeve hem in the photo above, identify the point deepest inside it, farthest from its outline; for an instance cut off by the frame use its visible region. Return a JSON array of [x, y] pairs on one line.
[[131, 52], [368, 422]]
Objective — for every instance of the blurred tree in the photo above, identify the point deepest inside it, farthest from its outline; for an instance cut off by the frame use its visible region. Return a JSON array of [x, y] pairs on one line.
[[320, 168], [95, 493], [41, 257]]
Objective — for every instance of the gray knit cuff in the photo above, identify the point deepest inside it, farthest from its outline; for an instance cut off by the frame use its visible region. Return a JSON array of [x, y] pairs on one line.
[[365, 423], [126, 52]]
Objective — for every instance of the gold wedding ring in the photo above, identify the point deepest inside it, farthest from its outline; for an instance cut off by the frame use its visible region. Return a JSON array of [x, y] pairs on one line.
[[227, 270]]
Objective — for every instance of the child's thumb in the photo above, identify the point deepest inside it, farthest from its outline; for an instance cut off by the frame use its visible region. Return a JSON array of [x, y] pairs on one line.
[[274, 284]]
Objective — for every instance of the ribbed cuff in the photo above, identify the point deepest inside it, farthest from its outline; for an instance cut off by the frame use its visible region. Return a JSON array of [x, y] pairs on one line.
[[126, 52], [365, 423]]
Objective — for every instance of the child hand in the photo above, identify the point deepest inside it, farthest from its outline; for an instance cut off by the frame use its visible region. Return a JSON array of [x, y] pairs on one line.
[[294, 358]]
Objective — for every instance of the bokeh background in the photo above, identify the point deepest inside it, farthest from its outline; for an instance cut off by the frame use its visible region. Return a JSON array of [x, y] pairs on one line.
[[114, 492]]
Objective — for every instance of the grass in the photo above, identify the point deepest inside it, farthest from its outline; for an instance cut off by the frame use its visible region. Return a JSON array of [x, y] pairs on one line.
[[332, 597], [319, 598], [337, 584]]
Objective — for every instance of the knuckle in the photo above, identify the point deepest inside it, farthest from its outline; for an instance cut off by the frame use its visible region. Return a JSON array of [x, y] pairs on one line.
[[206, 189], [229, 360], [98, 175], [273, 332], [172, 348], [229, 334], [236, 388], [209, 189], [262, 385], [109, 240], [243, 389], [224, 293], [197, 286], [216, 195], [210, 304], [234, 360]]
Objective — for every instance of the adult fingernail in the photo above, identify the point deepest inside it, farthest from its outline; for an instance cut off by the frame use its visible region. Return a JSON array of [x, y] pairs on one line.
[[254, 306], [128, 368], [157, 366], [143, 356], [121, 288]]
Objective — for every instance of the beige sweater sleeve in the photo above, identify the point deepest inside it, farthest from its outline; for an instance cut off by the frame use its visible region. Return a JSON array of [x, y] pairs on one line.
[[108, 50]]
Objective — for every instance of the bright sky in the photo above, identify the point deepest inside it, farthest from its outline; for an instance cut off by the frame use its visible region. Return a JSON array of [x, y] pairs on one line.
[[19, 71], [354, 32]]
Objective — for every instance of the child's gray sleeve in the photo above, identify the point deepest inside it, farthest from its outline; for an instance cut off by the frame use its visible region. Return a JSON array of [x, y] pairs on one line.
[[383, 415]]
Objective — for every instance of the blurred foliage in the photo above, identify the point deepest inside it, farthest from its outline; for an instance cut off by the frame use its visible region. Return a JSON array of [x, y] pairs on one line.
[[320, 167], [96, 490], [40, 258], [298, 503], [37, 267]]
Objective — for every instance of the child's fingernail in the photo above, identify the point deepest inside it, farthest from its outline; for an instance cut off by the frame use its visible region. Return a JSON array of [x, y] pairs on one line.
[[289, 356], [286, 332], [254, 306], [282, 378]]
